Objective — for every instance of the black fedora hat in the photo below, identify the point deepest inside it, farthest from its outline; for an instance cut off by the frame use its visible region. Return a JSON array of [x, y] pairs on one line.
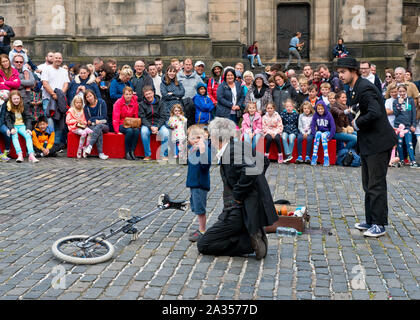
[[347, 62]]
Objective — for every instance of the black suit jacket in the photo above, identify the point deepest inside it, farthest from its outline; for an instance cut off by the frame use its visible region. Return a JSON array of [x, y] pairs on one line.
[[375, 133]]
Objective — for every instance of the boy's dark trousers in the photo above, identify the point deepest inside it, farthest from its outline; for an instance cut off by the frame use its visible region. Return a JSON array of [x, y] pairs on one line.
[[53, 151], [374, 170]]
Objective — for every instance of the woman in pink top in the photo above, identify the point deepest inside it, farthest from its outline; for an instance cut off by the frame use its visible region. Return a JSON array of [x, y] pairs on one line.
[[252, 125], [9, 78], [127, 106], [272, 129]]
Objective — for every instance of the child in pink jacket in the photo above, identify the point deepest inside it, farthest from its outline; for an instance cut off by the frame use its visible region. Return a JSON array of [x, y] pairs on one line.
[[272, 130], [252, 125]]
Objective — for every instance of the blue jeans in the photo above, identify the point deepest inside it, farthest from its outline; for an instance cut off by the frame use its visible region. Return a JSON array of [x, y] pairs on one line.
[[7, 139], [254, 139], [145, 133], [252, 57], [309, 142], [21, 129], [288, 142], [349, 139], [198, 200], [409, 143], [131, 138]]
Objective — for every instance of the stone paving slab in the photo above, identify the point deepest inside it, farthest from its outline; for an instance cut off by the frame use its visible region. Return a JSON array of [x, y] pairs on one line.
[[60, 196]]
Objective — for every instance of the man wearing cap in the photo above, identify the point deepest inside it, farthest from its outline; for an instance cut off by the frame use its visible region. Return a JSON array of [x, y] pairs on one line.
[[375, 140], [6, 32], [199, 69]]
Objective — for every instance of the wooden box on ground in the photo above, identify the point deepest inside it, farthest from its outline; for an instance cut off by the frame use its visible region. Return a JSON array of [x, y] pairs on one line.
[[298, 223]]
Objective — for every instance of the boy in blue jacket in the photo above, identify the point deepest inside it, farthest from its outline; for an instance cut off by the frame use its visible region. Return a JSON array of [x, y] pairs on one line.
[[322, 128], [198, 176], [203, 105]]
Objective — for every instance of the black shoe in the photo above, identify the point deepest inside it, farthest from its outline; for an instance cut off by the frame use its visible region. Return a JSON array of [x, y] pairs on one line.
[[259, 245], [132, 155], [128, 156]]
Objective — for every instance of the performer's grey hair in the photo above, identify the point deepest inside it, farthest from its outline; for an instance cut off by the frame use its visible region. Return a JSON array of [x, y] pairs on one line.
[[223, 129]]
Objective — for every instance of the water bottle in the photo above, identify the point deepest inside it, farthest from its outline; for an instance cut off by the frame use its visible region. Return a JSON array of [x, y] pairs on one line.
[[287, 232]]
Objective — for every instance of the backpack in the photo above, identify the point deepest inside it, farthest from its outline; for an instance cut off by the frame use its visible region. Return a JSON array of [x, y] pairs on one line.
[[348, 158]]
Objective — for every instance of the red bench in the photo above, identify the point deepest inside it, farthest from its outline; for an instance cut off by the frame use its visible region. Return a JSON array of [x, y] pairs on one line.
[[113, 146], [332, 151], [12, 154]]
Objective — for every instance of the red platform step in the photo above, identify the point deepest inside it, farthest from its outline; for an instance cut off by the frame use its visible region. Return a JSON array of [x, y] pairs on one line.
[[12, 154]]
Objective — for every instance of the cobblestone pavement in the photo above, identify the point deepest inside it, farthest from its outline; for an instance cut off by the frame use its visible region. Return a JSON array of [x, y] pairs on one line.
[[57, 197]]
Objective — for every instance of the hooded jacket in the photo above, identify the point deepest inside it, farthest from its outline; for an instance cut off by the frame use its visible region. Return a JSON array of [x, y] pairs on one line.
[[153, 114], [121, 111], [203, 106], [260, 101], [280, 95], [272, 125], [256, 126], [88, 83], [99, 112], [116, 88], [323, 123], [213, 83], [189, 82], [40, 137]]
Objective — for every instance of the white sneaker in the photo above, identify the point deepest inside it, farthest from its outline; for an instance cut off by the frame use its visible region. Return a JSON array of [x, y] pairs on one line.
[[103, 156], [87, 150]]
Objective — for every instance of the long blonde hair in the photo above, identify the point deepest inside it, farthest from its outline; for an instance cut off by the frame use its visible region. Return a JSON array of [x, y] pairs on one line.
[[15, 108], [72, 105]]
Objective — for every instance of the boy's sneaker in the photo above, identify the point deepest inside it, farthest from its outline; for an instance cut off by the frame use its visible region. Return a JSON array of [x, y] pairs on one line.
[[299, 159], [103, 156], [4, 157], [87, 150], [375, 231], [313, 161], [308, 160], [414, 165], [194, 236], [280, 158], [326, 161], [288, 159], [362, 226]]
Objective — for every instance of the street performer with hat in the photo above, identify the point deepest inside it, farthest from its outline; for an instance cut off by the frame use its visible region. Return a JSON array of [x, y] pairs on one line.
[[375, 140]]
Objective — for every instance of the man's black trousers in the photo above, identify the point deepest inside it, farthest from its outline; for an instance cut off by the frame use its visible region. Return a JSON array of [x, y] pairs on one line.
[[374, 170]]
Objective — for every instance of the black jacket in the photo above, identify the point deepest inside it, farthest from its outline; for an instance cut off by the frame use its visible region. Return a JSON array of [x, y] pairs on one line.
[[281, 95], [250, 188], [153, 114], [10, 118], [10, 34], [141, 82], [375, 133]]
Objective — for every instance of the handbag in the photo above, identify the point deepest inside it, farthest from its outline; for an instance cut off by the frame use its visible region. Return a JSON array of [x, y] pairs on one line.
[[132, 122], [348, 159]]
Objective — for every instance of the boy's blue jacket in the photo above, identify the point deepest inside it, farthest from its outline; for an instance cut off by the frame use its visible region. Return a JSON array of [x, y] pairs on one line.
[[203, 106], [198, 175]]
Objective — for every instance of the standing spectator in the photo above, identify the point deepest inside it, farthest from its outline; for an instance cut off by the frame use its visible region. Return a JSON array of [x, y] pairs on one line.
[[199, 69], [294, 48], [412, 91], [171, 89], [215, 81], [127, 106], [203, 105], [159, 67], [365, 69], [373, 69], [85, 80], [282, 91], [230, 97], [188, 78], [317, 80], [96, 116], [375, 140], [49, 60], [302, 94], [98, 64], [248, 79], [25, 84], [176, 63], [153, 116], [141, 79], [330, 77], [112, 63], [157, 80], [295, 83], [259, 93], [6, 32], [18, 49], [118, 84], [54, 77], [340, 50], [19, 121], [253, 54], [105, 77], [240, 67], [389, 78], [308, 72]]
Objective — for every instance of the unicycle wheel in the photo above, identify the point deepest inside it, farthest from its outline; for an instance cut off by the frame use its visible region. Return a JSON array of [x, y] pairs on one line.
[[75, 249]]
